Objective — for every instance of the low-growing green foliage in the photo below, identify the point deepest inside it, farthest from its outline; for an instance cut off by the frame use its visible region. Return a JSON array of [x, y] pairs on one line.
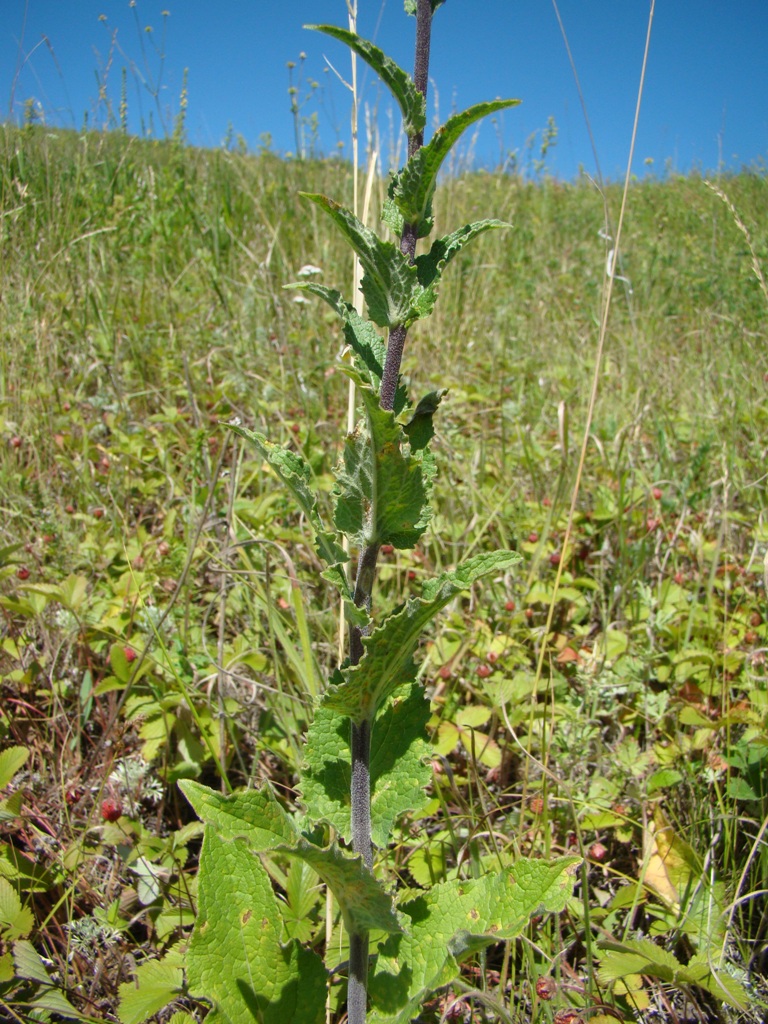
[[164, 618]]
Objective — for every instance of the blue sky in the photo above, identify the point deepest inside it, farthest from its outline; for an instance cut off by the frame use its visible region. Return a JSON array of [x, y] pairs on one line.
[[705, 100]]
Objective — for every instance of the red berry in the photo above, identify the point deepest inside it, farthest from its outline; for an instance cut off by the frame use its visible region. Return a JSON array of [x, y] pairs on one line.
[[533, 537], [104, 464], [444, 672], [554, 558], [546, 986], [98, 513], [755, 619], [483, 671], [295, 428], [749, 637], [529, 613], [411, 574], [16, 441], [546, 502], [66, 407], [111, 809], [597, 851], [387, 549], [23, 573], [130, 654], [657, 493], [509, 606], [163, 548], [493, 657], [69, 509], [679, 579]]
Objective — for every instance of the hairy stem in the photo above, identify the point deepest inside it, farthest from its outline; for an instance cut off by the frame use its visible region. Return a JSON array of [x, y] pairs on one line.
[[360, 739]]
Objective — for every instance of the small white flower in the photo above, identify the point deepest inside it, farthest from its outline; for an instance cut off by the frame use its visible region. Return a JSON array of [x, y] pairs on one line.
[[309, 270], [235, 421], [300, 300]]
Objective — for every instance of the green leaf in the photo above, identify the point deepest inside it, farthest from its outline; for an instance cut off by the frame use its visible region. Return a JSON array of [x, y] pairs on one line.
[[255, 814], [16, 921], [28, 964], [430, 266], [399, 775], [419, 427], [452, 920], [368, 347], [387, 661], [411, 102], [11, 760], [235, 958], [413, 188], [364, 904], [410, 6], [382, 490], [642, 956], [155, 985], [390, 283], [296, 474]]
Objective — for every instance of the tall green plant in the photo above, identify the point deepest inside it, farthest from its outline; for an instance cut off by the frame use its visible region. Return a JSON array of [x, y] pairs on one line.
[[365, 753]]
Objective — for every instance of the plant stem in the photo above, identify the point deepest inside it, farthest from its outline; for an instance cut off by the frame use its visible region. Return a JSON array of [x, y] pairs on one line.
[[360, 740], [409, 236]]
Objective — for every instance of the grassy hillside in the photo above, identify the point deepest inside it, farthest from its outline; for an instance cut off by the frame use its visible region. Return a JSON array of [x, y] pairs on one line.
[[162, 616]]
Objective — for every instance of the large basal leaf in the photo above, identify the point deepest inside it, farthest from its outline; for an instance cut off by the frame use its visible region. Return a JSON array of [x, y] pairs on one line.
[[256, 817], [411, 102], [382, 490], [235, 958], [399, 774], [388, 650], [413, 188], [368, 347], [451, 920], [390, 285], [296, 474]]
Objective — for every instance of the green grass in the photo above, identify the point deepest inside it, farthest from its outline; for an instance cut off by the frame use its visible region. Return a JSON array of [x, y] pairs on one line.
[[143, 307]]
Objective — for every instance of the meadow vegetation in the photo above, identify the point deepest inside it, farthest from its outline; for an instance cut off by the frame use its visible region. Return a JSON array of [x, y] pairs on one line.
[[163, 617]]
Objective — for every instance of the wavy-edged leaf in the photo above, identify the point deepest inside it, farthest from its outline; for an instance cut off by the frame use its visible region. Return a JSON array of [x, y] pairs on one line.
[[364, 904], [368, 347], [296, 474], [389, 282], [399, 774], [411, 102], [413, 188], [382, 489], [430, 266], [453, 919], [419, 428], [235, 957], [387, 661], [254, 815]]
